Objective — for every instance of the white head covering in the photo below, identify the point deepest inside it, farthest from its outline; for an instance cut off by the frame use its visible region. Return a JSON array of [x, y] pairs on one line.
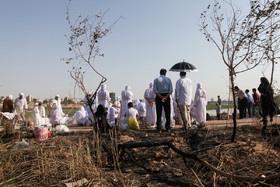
[[10, 96], [57, 96], [103, 87], [198, 86], [151, 85], [127, 87], [36, 104], [21, 94]]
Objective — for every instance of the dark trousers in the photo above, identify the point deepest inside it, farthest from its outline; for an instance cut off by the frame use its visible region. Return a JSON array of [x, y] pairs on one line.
[[242, 105], [249, 108], [167, 110]]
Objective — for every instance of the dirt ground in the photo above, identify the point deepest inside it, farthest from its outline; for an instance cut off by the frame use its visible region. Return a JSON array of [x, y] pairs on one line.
[[252, 155]]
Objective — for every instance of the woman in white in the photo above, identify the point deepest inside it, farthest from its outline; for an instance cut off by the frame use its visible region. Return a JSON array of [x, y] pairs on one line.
[[37, 119], [104, 96], [81, 116], [141, 108], [127, 97], [58, 117], [150, 96], [200, 103]]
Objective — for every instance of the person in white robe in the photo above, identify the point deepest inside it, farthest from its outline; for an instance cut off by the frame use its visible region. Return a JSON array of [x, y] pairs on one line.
[[127, 96], [200, 102], [150, 96], [21, 106], [42, 110], [113, 115], [57, 102], [81, 116], [37, 119], [141, 108], [58, 117], [93, 107], [104, 96]]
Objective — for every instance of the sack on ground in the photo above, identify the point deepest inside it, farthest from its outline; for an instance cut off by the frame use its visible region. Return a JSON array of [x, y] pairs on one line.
[[133, 124]]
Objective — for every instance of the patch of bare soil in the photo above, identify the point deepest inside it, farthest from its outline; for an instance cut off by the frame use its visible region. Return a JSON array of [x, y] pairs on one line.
[[147, 158]]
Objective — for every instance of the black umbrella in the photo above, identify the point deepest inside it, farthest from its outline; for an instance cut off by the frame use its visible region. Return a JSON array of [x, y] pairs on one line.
[[183, 67]]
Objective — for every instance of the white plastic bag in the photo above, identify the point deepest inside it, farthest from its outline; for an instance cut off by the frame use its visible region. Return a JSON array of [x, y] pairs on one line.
[[62, 128]]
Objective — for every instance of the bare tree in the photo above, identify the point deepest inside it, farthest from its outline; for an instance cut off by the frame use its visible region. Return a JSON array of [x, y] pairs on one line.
[[238, 37], [84, 42]]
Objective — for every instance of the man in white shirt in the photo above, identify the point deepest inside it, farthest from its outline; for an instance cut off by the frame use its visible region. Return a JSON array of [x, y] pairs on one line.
[[250, 103], [21, 106], [183, 95]]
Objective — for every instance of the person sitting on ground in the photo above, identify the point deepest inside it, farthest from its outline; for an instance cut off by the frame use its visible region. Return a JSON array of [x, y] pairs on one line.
[[58, 117], [81, 116], [131, 115]]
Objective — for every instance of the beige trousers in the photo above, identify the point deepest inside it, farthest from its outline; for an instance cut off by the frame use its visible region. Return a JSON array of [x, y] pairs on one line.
[[185, 113]]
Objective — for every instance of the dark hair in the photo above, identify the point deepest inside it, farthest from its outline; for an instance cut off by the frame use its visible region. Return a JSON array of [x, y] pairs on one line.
[[236, 87], [130, 104], [40, 104], [162, 72], [246, 90], [183, 73], [254, 89]]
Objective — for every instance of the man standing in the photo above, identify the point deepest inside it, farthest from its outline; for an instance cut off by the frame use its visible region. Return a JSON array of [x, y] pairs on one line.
[[242, 102], [183, 95], [255, 107], [163, 89], [127, 97], [57, 102], [250, 103], [218, 108], [21, 106]]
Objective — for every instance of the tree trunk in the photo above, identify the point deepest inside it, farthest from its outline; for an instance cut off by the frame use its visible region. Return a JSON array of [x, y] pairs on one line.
[[234, 105]]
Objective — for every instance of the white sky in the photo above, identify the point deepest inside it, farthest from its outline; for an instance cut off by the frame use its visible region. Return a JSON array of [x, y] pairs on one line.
[[153, 35]]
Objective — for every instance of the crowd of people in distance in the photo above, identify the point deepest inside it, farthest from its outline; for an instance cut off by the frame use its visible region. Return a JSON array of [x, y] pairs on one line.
[[160, 108]]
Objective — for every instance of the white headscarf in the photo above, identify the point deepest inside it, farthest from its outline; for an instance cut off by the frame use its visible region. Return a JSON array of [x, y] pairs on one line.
[[127, 88], [10, 96], [151, 85], [103, 87]]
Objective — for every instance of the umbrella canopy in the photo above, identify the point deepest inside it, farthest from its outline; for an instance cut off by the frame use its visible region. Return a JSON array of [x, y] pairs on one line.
[[183, 67]]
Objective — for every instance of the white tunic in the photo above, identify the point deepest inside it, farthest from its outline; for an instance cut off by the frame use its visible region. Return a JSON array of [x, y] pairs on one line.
[[131, 112], [81, 116], [200, 103], [127, 97], [141, 108], [37, 119], [20, 105], [183, 91], [42, 111], [150, 96], [104, 96]]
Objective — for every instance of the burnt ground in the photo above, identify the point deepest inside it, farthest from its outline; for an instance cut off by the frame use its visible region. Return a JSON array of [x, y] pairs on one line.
[[252, 155]]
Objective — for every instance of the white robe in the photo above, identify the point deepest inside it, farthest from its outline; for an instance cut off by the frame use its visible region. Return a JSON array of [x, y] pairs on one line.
[[150, 96], [58, 117], [127, 97], [200, 103], [57, 103], [141, 108], [104, 96], [20, 105], [37, 119], [81, 116], [42, 111]]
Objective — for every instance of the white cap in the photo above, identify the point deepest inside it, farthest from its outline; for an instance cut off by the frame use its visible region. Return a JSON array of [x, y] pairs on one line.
[[36, 104], [21, 94], [57, 96]]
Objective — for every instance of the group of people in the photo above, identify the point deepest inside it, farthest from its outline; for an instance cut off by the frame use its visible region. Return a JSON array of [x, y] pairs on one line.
[[160, 106], [255, 105]]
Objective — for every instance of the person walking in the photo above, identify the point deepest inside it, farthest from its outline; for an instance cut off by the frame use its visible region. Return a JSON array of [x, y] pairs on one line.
[[163, 89], [183, 95], [200, 102]]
